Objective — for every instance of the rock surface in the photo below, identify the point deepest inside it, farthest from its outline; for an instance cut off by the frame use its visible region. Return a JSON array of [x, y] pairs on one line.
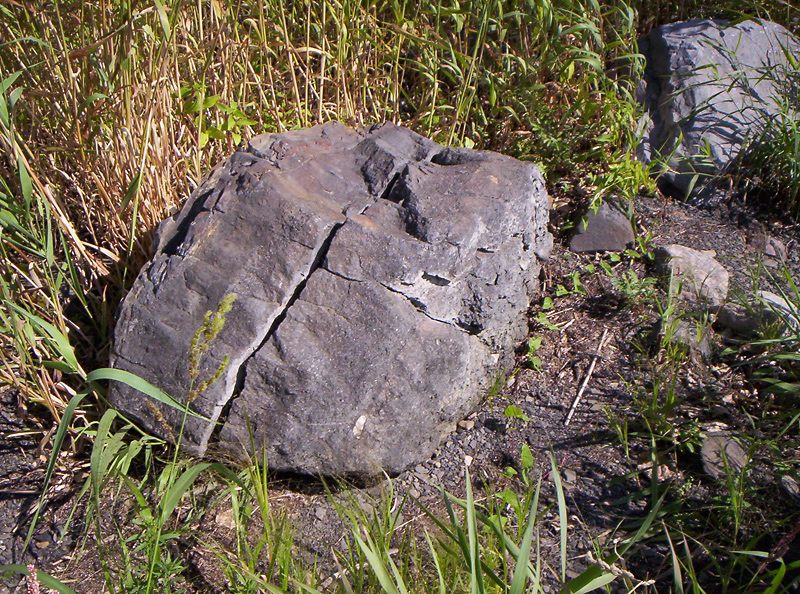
[[694, 276], [382, 281], [708, 85], [607, 230], [689, 332], [766, 309], [722, 455]]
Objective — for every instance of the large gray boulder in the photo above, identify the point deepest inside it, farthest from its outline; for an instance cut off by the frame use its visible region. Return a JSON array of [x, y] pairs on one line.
[[708, 87], [382, 283]]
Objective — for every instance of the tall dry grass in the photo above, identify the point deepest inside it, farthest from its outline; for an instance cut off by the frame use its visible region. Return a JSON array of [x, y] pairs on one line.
[[112, 112]]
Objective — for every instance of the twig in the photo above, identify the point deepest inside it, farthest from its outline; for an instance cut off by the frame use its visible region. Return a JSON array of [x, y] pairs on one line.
[[595, 357], [780, 549]]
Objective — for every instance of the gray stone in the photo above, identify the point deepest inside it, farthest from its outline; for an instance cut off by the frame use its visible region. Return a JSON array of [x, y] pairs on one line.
[[790, 486], [765, 310], [607, 230], [775, 248], [721, 454], [382, 282], [693, 334], [695, 277], [708, 85]]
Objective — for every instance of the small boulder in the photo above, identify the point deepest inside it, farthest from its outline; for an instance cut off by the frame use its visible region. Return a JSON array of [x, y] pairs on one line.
[[766, 309], [691, 334], [695, 277], [708, 85], [607, 230], [382, 282]]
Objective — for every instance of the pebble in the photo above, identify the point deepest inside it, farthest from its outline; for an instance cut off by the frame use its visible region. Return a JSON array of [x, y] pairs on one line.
[[466, 425], [225, 519]]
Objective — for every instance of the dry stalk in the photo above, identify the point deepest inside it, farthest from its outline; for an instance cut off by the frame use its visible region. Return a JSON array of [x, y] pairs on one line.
[[589, 373]]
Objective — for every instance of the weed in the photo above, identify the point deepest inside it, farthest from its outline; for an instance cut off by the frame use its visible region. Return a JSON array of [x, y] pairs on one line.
[[544, 320], [534, 344], [147, 563], [259, 563], [633, 287], [768, 166], [512, 412]]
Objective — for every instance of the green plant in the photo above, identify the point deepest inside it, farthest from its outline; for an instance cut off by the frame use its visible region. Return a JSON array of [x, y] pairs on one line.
[[374, 531], [266, 561], [146, 560], [767, 348], [513, 412], [769, 162], [534, 344], [634, 288], [233, 119]]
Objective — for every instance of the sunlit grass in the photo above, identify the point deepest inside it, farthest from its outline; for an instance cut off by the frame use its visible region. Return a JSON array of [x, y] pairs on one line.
[[112, 113]]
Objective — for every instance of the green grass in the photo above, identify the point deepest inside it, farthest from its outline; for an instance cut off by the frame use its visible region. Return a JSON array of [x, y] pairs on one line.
[[111, 113]]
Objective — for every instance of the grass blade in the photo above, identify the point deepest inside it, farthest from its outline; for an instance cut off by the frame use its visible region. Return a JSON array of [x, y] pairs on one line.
[[377, 565], [58, 441], [134, 381], [562, 514], [44, 578], [523, 559], [475, 565]]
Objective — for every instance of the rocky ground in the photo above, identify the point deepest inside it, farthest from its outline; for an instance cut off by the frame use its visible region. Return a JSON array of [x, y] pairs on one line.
[[589, 321]]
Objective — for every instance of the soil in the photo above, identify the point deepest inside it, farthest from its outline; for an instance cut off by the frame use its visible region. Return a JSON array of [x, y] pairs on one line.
[[605, 477]]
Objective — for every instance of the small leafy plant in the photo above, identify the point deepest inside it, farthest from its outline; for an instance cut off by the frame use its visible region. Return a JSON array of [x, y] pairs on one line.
[[534, 344]]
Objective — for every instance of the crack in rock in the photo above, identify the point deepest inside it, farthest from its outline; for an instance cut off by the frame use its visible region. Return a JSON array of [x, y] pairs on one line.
[[218, 417], [419, 306], [382, 212]]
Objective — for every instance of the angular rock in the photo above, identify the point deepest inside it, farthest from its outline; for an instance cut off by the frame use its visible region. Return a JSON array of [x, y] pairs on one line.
[[708, 85], [766, 309], [775, 248], [381, 279], [722, 455], [607, 230], [695, 277], [775, 253], [688, 332]]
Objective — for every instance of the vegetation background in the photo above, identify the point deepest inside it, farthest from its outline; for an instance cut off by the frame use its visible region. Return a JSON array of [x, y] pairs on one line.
[[112, 111]]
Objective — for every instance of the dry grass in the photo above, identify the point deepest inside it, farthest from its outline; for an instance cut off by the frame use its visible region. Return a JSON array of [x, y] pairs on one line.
[[114, 112]]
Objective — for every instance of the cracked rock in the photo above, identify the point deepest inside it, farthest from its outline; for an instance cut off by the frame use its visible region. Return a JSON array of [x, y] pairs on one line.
[[382, 282]]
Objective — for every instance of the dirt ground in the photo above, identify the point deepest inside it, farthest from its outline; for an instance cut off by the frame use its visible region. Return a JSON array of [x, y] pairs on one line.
[[601, 479]]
